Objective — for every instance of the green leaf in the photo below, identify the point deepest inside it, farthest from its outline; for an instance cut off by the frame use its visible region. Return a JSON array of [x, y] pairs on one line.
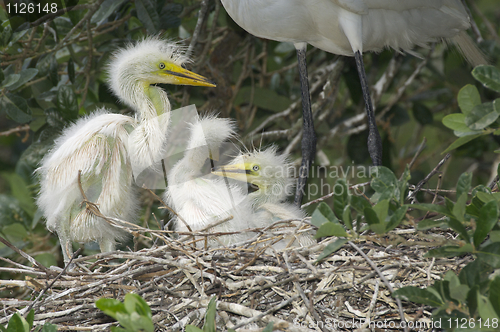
[[269, 327], [403, 184], [347, 217], [396, 218], [371, 216], [418, 295], [372, 219], [489, 76], [110, 307], [464, 184], [488, 217], [496, 105], [263, 98], [17, 323], [106, 9], [494, 236], [485, 308], [458, 227], [191, 328], [209, 325], [30, 318], [490, 254], [463, 140], [450, 251], [11, 211], [459, 208], [147, 14], [456, 121], [340, 197], [331, 248], [47, 327], [359, 203], [330, 229], [494, 294], [433, 208], [458, 291], [53, 67], [322, 215], [382, 209], [468, 98], [25, 76], [422, 114], [66, 102], [383, 179], [20, 191], [135, 303], [481, 116], [486, 197], [429, 223], [16, 108], [10, 80]]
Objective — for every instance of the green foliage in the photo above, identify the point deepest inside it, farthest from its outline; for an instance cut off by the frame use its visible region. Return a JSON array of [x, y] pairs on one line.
[[18, 323], [133, 314], [477, 118], [470, 297], [472, 222], [383, 213]]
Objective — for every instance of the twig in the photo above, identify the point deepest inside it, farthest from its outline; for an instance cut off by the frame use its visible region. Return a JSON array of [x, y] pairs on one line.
[[25, 255], [321, 199], [53, 281], [15, 130], [431, 174], [384, 280], [419, 151]]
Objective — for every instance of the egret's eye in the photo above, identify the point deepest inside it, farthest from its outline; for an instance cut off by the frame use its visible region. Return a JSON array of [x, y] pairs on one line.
[[255, 168], [162, 65]]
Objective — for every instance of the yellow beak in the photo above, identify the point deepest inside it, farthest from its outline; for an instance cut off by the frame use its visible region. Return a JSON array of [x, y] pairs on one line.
[[181, 76], [238, 172]]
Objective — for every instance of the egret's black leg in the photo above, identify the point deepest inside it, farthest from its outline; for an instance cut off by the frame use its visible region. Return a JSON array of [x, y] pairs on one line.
[[308, 134], [374, 140]]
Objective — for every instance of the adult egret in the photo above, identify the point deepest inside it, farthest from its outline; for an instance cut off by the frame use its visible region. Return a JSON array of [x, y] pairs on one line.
[[349, 27], [200, 198], [103, 147], [270, 174]]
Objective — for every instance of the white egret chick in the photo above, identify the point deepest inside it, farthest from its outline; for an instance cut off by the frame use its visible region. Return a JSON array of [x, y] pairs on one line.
[[202, 199], [103, 147], [270, 174], [351, 27]]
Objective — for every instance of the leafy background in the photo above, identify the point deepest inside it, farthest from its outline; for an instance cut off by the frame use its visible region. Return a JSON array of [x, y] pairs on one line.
[[53, 72]]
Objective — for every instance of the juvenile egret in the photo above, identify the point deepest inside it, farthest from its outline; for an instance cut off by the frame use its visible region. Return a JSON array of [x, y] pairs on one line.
[[271, 175], [202, 199], [103, 147], [349, 27]]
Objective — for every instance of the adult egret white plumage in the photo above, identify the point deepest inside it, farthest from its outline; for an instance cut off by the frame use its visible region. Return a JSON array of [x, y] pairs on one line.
[[350, 27], [270, 174], [103, 147], [202, 199]]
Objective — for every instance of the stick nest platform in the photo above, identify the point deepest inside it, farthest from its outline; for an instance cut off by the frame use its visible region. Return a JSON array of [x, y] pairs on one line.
[[254, 285]]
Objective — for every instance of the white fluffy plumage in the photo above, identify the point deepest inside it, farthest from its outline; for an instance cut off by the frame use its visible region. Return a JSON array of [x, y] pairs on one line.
[[106, 147], [271, 174], [346, 26], [204, 199]]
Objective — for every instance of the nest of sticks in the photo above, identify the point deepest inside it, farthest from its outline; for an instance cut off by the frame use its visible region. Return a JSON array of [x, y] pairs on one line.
[[253, 283]]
